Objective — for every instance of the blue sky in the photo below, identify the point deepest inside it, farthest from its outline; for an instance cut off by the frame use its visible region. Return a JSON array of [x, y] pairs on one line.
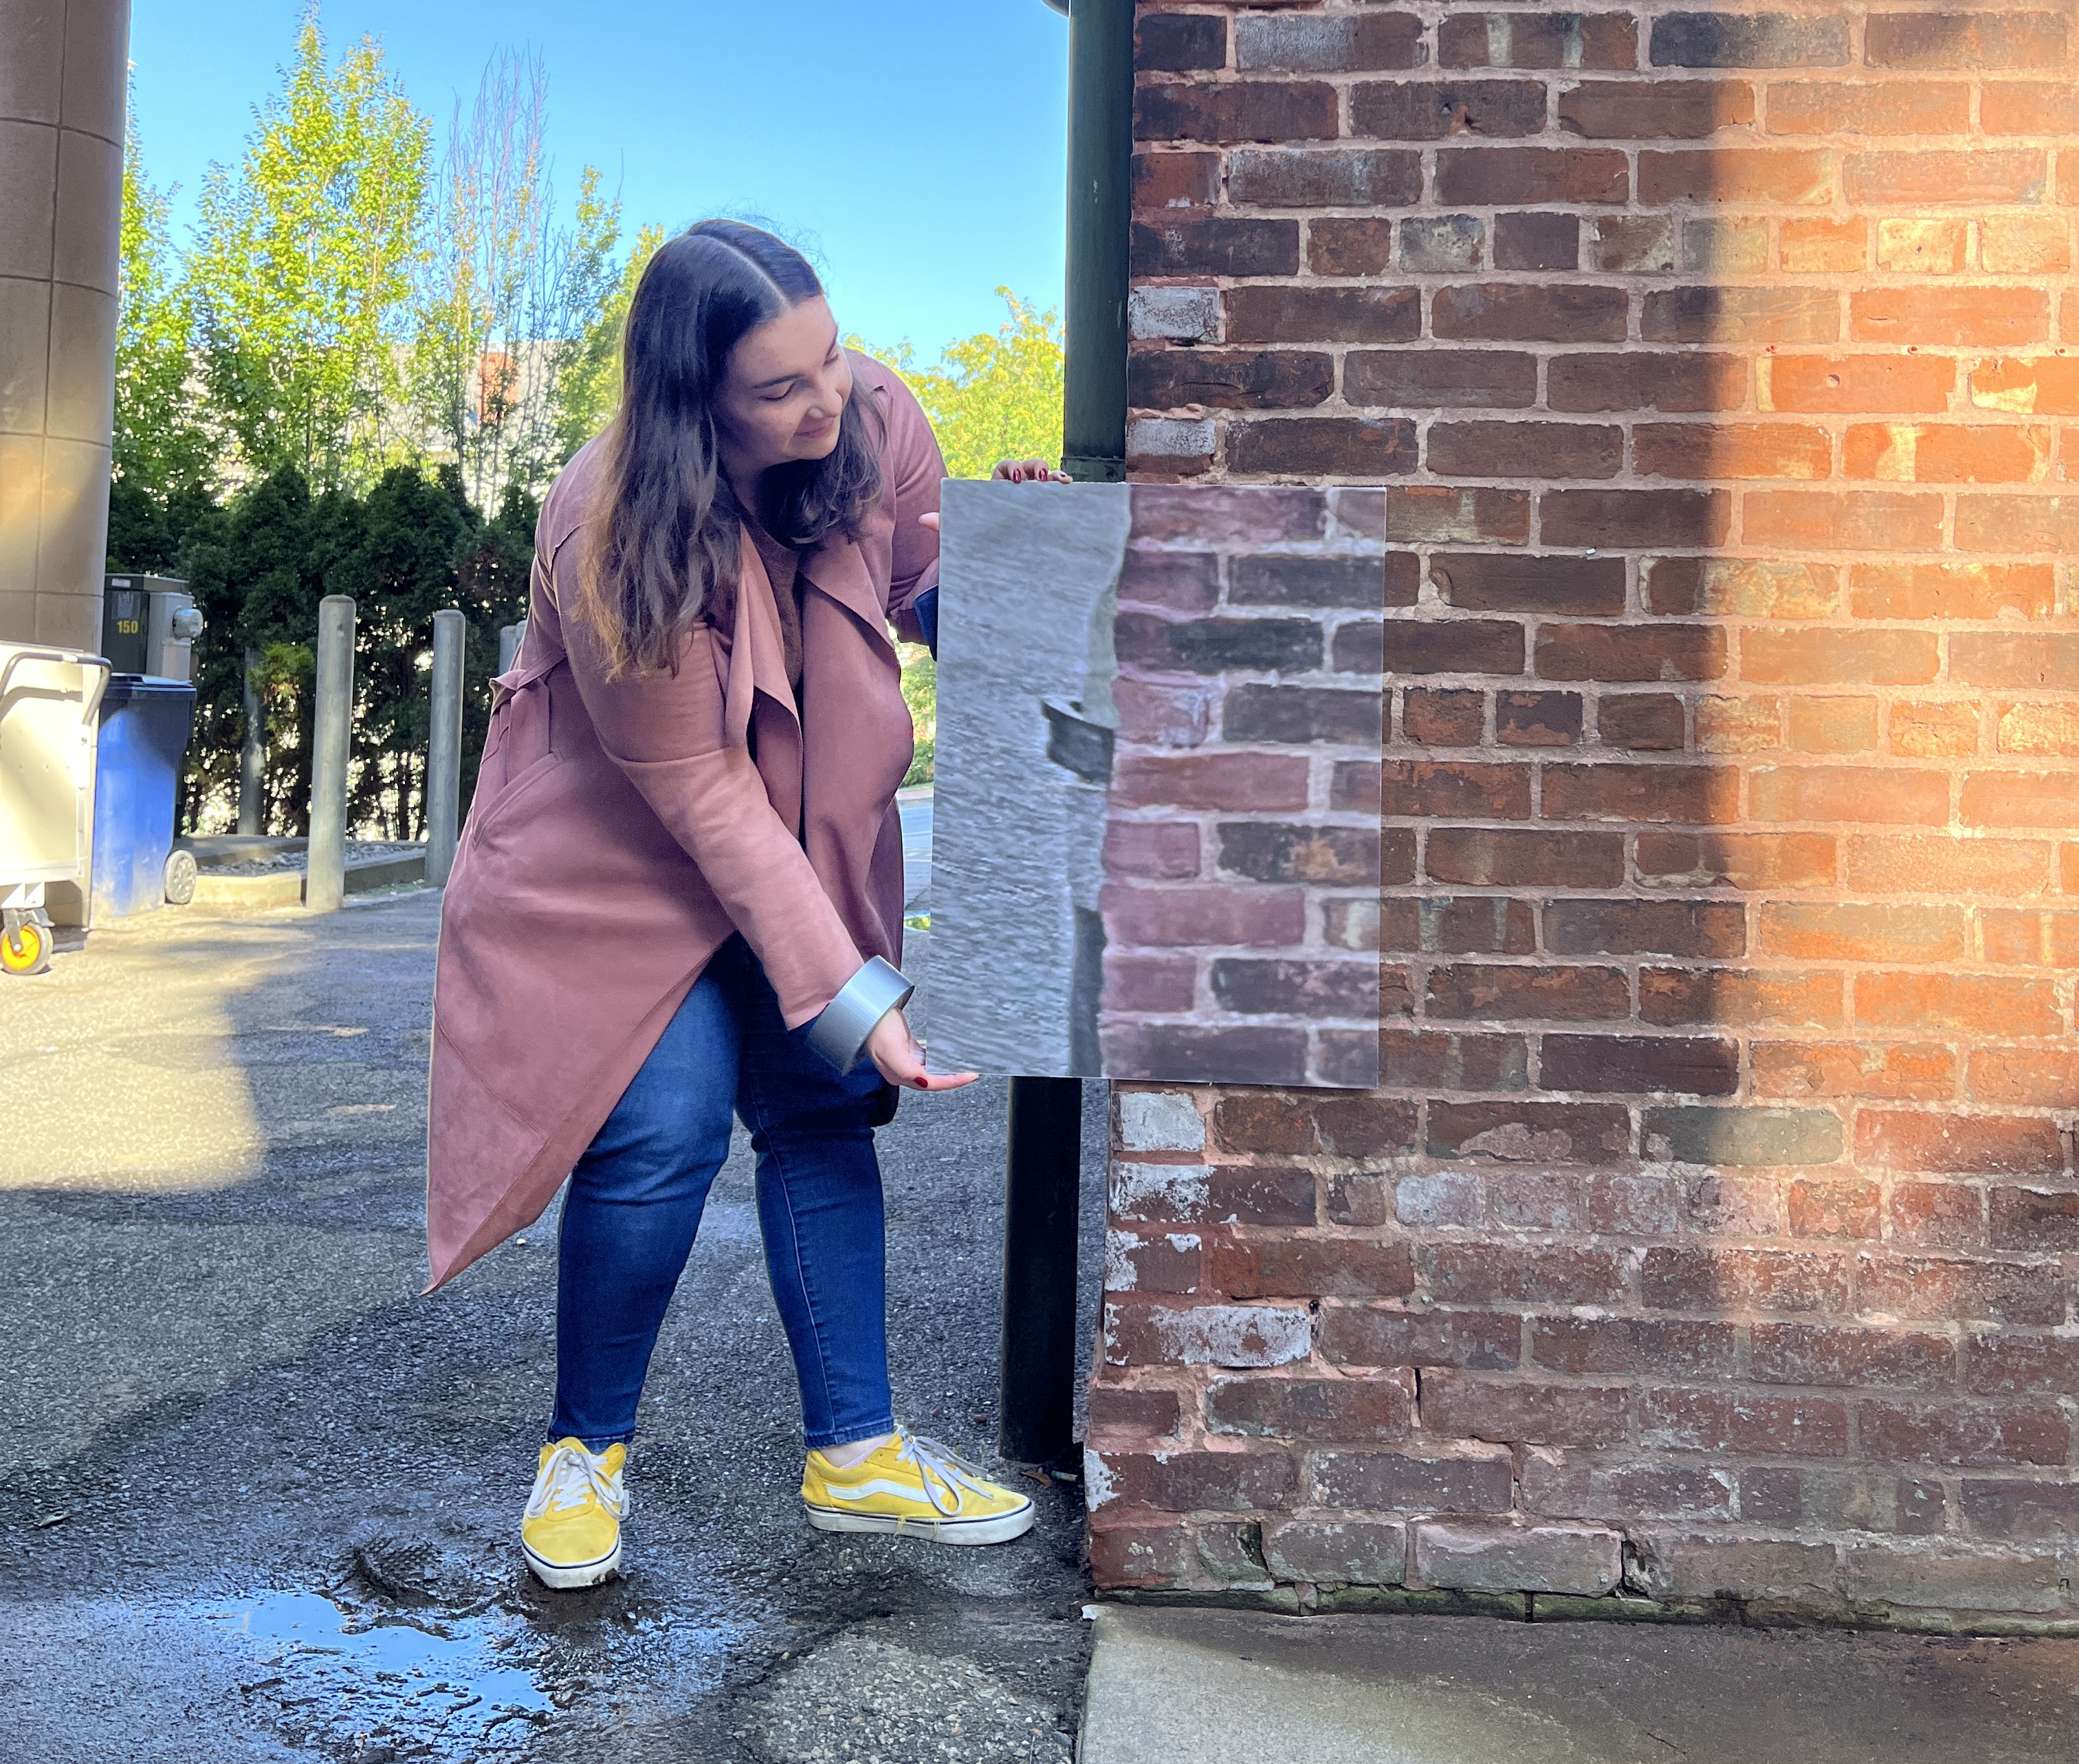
[[915, 148]]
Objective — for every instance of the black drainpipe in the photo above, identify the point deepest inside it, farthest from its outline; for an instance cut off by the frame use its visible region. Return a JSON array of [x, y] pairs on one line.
[[1042, 1174]]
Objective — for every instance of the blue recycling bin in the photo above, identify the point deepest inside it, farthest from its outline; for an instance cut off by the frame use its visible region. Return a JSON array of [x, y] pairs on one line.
[[144, 726]]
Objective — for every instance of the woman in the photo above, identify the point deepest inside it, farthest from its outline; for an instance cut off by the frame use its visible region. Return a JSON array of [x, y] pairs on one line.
[[678, 895]]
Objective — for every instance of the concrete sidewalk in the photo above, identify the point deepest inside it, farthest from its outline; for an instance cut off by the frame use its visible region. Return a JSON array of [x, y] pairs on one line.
[[1187, 1686]]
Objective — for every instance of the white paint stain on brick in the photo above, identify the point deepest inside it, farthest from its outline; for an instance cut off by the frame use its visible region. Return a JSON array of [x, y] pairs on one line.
[[1177, 315], [1120, 1273], [1170, 437], [1159, 1121], [1170, 1190], [1098, 1485], [1234, 1334]]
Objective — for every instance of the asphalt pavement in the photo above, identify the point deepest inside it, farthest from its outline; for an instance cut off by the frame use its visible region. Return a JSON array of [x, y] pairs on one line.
[[259, 1498]]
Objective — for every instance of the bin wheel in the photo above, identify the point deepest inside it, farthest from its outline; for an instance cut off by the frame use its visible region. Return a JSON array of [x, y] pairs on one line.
[[180, 878], [26, 950]]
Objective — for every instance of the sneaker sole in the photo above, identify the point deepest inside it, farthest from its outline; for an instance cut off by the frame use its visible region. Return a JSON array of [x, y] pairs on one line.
[[1000, 1529], [567, 1577]]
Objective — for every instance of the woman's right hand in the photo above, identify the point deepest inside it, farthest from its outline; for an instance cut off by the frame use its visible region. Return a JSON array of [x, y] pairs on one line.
[[894, 1050]]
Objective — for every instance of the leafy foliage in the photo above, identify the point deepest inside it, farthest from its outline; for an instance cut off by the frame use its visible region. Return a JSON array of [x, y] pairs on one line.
[[994, 395]]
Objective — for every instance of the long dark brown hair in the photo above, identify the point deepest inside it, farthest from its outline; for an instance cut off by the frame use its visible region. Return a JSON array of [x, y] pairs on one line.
[[663, 553]]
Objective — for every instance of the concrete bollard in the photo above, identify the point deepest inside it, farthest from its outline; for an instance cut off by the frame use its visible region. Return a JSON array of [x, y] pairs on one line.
[[324, 884], [252, 753], [509, 639], [444, 747]]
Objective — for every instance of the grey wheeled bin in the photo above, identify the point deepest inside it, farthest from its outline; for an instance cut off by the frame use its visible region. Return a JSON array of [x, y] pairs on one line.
[[50, 700]]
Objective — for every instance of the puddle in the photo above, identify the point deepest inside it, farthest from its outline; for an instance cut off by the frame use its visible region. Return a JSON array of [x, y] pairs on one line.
[[406, 1688]]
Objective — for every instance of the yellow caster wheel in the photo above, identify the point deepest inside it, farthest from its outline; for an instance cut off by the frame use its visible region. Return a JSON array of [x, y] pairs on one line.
[[26, 950]]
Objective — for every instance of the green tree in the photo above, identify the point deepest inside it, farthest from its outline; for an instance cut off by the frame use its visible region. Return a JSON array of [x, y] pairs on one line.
[[303, 263], [994, 395], [590, 389]]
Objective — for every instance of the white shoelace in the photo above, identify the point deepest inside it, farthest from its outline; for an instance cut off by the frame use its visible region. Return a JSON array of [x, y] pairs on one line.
[[951, 1470], [570, 1474]]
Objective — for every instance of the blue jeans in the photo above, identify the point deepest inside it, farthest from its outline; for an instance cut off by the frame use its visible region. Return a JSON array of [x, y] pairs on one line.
[[635, 1199]]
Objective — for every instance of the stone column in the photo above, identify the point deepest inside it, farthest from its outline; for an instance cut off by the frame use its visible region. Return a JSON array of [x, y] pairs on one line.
[[62, 78]]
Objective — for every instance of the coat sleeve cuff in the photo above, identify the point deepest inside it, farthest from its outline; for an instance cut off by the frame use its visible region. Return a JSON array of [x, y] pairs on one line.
[[839, 1032]]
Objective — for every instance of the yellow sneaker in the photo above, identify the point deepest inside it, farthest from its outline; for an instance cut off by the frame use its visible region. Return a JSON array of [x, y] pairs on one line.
[[572, 1529], [914, 1488]]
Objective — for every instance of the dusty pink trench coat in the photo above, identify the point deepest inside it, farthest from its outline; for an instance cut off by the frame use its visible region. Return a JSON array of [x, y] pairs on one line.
[[620, 831]]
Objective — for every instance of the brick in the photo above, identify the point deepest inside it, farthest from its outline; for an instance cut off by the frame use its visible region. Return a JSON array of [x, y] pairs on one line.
[[1789, 657], [1833, 724], [1336, 1408], [1934, 731], [2029, 107], [2022, 937], [1373, 1335], [1336, 1551], [1444, 1198], [1326, 178], [2019, 799], [2011, 1364], [1847, 1208], [1776, 176], [1673, 1419], [1631, 244], [1505, 311], [1431, 1059], [1661, 108], [1275, 313], [1274, 851], [1718, 1567], [1738, 860], [2024, 245], [1442, 243], [1347, 989], [1215, 247], [1970, 1004], [1821, 520], [1436, 109], [1628, 1345], [1179, 42], [1502, 858], [1640, 1064], [1825, 247], [1488, 582], [1771, 1137], [1978, 176], [1951, 591], [1142, 1333], [1731, 40], [1938, 1215], [1143, 1414], [1541, 451], [1809, 1354], [1581, 1560], [1439, 515], [1298, 714], [2026, 385], [1172, 181], [1738, 725], [1902, 933], [1143, 1552], [1599, 652], [1341, 44], [1231, 1482], [1487, 379], [2034, 1077], [1236, 379], [1529, 1132], [1216, 1054], [1999, 39], [1912, 107], [1219, 112], [1446, 718], [1646, 380], [1486, 177], [1156, 1120], [1474, 1480], [1166, 849], [1991, 317], [1215, 645], [1992, 523], [1535, 994], [1521, 40], [1174, 581], [1185, 916], [1537, 719], [1361, 446], [1614, 1491], [1732, 450], [1855, 384], [1537, 241], [2035, 1221], [1456, 789], [1740, 315], [1952, 1578], [1453, 646], [1515, 1411], [1153, 1262], [1625, 519], [1637, 927], [1955, 1433], [1716, 1280], [1170, 444], [1946, 452], [1611, 791], [1920, 1288], [1944, 864], [2018, 1509], [1722, 247], [1349, 246]]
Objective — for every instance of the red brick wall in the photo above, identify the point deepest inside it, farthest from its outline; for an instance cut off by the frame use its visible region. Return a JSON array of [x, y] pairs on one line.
[[1715, 1232]]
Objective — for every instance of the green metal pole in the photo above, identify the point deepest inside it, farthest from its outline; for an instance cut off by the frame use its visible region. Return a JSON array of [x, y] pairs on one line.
[[1042, 1174]]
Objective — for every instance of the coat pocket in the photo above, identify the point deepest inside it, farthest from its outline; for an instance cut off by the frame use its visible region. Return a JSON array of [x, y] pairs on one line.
[[517, 750]]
